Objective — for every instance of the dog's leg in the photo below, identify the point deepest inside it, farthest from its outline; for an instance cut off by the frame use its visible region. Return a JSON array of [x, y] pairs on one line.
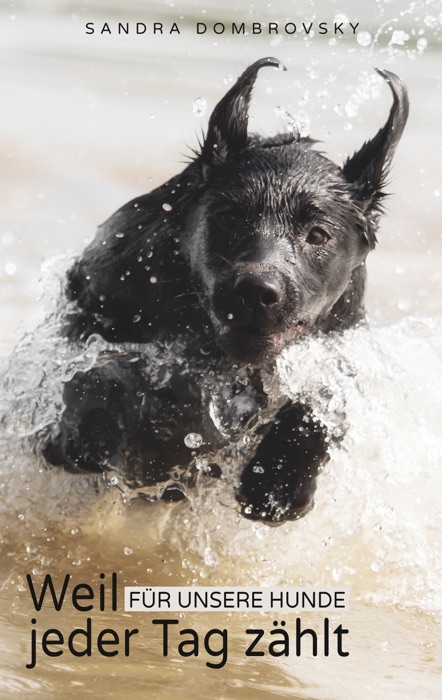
[[279, 482], [90, 435], [114, 419]]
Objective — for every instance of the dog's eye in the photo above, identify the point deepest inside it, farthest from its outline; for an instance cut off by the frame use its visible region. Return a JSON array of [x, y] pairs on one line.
[[225, 218], [317, 236]]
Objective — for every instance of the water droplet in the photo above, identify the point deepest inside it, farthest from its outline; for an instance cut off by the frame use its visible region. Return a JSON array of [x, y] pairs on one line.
[[128, 551], [430, 21], [193, 440], [202, 465], [399, 37], [10, 268], [119, 235], [363, 38], [136, 318], [209, 557], [230, 317], [336, 574], [167, 207], [113, 480], [153, 280], [199, 106], [421, 44], [258, 469]]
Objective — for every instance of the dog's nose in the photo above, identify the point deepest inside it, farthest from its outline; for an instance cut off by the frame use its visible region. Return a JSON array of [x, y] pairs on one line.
[[256, 291]]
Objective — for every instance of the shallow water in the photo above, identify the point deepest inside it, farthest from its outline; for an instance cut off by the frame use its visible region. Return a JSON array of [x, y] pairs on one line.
[[91, 122]]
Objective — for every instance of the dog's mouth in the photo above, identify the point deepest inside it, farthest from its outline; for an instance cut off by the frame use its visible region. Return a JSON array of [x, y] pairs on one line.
[[249, 330], [255, 345]]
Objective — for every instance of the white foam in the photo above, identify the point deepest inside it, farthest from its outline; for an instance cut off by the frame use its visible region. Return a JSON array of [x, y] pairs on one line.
[[378, 392]]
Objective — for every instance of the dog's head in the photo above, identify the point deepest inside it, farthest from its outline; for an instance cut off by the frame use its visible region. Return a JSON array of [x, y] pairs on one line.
[[278, 238]]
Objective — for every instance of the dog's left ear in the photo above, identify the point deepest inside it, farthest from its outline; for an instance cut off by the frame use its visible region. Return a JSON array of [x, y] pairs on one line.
[[368, 168], [227, 130]]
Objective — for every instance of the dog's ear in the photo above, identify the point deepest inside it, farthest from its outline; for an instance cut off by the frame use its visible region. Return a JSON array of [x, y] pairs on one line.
[[227, 130], [368, 168]]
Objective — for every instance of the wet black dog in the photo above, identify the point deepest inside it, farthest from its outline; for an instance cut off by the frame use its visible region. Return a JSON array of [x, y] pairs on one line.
[[258, 243]]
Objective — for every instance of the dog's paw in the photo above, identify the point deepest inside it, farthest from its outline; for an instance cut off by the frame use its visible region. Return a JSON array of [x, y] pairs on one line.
[[271, 494], [279, 482]]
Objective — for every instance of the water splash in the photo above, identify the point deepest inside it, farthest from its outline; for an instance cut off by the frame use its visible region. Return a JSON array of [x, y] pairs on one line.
[[376, 389]]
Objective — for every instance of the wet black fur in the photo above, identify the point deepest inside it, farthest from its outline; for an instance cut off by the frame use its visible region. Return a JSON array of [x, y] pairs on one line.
[[256, 244]]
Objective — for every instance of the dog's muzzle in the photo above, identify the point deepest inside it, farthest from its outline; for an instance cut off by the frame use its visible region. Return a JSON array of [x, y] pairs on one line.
[[252, 308]]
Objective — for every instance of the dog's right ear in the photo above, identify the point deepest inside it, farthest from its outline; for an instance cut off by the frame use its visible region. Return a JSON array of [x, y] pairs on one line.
[[227, 131]]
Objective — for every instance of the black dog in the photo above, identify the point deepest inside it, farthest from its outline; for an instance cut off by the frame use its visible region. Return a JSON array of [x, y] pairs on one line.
[[258, 243]]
